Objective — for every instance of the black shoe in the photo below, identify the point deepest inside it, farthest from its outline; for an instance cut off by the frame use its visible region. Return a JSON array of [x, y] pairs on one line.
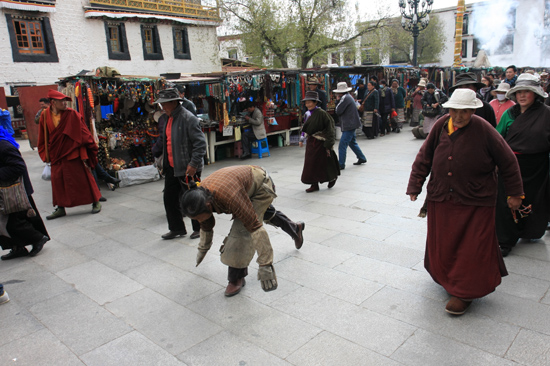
[[195, 235], [102, 199], [397, 130], [505, 251], [360, 161], [332, 183], [342, 167], [15, 253], [299, 241], [244, 157], [36, 248], [172, 234]]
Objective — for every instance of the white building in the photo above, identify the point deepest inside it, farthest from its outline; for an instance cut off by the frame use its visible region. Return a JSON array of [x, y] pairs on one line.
[[510, 31], [43, 40]]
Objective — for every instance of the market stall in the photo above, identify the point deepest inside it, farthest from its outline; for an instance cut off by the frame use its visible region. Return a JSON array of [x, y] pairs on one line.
[[119, 111]]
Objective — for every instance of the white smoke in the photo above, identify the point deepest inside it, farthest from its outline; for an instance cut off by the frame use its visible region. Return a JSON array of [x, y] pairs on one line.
[[496, 23]]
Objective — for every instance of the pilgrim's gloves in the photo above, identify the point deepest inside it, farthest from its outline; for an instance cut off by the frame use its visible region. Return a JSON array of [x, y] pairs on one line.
[[268, 278], [204, 245], [262, 245]]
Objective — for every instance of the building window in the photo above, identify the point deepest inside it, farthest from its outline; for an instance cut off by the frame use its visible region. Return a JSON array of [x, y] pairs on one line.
[[31, 39], [475, 48], [335, 58], [465, 22], [367, 56], [181, 43], [117, 44], [465, 48], [506, 45], [232, 53], [151, 43]]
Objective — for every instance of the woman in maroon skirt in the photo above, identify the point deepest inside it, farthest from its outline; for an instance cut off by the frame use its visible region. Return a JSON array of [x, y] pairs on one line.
[[460, 155], [321, 163]]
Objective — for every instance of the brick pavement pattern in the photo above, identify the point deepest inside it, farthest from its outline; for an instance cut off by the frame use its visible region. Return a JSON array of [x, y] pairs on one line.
[[107, 290]]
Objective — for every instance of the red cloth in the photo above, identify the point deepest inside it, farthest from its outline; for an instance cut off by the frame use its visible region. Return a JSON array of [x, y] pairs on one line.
[[462, 252], [69, 144], [169, 141]]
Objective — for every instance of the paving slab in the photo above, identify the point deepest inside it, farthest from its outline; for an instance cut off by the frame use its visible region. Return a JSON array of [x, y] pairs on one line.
[[107, 290]]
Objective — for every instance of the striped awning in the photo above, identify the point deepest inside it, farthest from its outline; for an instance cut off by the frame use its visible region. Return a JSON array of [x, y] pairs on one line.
[[93, 13], [45, 6]]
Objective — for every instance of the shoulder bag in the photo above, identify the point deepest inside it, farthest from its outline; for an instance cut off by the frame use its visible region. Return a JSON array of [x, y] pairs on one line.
[[13, 198]]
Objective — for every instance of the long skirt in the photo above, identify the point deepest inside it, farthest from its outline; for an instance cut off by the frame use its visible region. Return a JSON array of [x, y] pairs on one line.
[[462, 252], [534, 173], [318, 167], [429, 122], [73, 184], [415, 119]]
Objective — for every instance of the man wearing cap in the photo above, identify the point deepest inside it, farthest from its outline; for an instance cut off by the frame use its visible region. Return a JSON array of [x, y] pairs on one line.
[[526, 129], [184, 147], [500, 103], [460, 155], [468, 80], [65, 141], [313, 85], [346, 110]]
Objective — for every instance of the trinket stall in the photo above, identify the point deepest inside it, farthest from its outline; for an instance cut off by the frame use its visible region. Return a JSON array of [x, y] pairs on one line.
[[119, 110]]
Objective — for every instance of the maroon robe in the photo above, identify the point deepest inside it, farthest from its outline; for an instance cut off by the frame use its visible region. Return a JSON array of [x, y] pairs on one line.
[[70, 148]]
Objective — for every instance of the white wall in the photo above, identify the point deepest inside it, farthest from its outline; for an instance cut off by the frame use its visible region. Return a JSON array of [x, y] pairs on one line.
[[81, 44]]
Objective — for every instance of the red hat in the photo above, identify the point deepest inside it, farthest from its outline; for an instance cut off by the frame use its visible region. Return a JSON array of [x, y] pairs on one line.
[[54, 94]]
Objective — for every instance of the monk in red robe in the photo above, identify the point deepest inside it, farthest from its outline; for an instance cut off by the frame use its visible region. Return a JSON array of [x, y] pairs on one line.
[[66, 143]]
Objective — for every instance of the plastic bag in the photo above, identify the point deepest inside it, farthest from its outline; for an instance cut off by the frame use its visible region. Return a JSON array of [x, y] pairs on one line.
[[47, 172]]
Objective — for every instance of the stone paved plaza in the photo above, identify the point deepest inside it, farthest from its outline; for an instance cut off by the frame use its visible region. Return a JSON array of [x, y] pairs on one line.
[[107, 290]]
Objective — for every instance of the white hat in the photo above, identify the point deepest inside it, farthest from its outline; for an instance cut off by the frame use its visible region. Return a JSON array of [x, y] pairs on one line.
[[502, 88], [342, 88], [463, 99], [422, 83], [526, 82]]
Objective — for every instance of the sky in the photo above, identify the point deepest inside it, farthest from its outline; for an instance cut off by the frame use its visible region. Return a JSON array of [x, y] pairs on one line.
[[366, 6]]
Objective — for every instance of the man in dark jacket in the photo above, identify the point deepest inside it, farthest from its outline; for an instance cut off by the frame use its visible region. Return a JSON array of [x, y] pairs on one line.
[[184, 147], [468, 80], [387, 105], [186, 103], [346, 110]]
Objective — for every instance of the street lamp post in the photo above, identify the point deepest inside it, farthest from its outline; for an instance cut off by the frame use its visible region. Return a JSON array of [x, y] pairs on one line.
[[415, 18]]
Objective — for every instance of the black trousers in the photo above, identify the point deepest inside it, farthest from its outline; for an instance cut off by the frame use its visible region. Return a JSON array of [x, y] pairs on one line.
[[173, 189], [247, 137], [385, 124], [277, 219]]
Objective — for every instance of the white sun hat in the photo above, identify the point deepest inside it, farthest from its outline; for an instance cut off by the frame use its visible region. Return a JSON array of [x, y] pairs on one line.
[[463, 99], [342, 88]]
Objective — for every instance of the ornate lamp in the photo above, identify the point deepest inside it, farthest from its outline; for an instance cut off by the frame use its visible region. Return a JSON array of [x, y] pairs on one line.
[[414, 18]]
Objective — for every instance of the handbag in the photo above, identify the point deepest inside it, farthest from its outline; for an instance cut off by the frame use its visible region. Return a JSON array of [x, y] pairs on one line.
[[47, 172], [429, 111], [13, 198]]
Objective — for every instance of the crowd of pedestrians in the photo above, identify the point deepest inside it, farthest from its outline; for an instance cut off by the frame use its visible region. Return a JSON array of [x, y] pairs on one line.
[[487, 156]]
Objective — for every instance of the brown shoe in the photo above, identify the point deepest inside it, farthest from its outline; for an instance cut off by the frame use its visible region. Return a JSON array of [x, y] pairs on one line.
[[195, 235], [313, 188], [233, 288], [299, 241], [457, 306]]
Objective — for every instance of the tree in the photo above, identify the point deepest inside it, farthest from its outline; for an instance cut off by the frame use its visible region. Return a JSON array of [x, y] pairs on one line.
[[393, 40], [307, 28]]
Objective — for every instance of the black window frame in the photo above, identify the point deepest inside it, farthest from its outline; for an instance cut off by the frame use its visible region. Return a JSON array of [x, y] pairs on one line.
[[157, 48], [185, 39], [124, 53], [50, 50]]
